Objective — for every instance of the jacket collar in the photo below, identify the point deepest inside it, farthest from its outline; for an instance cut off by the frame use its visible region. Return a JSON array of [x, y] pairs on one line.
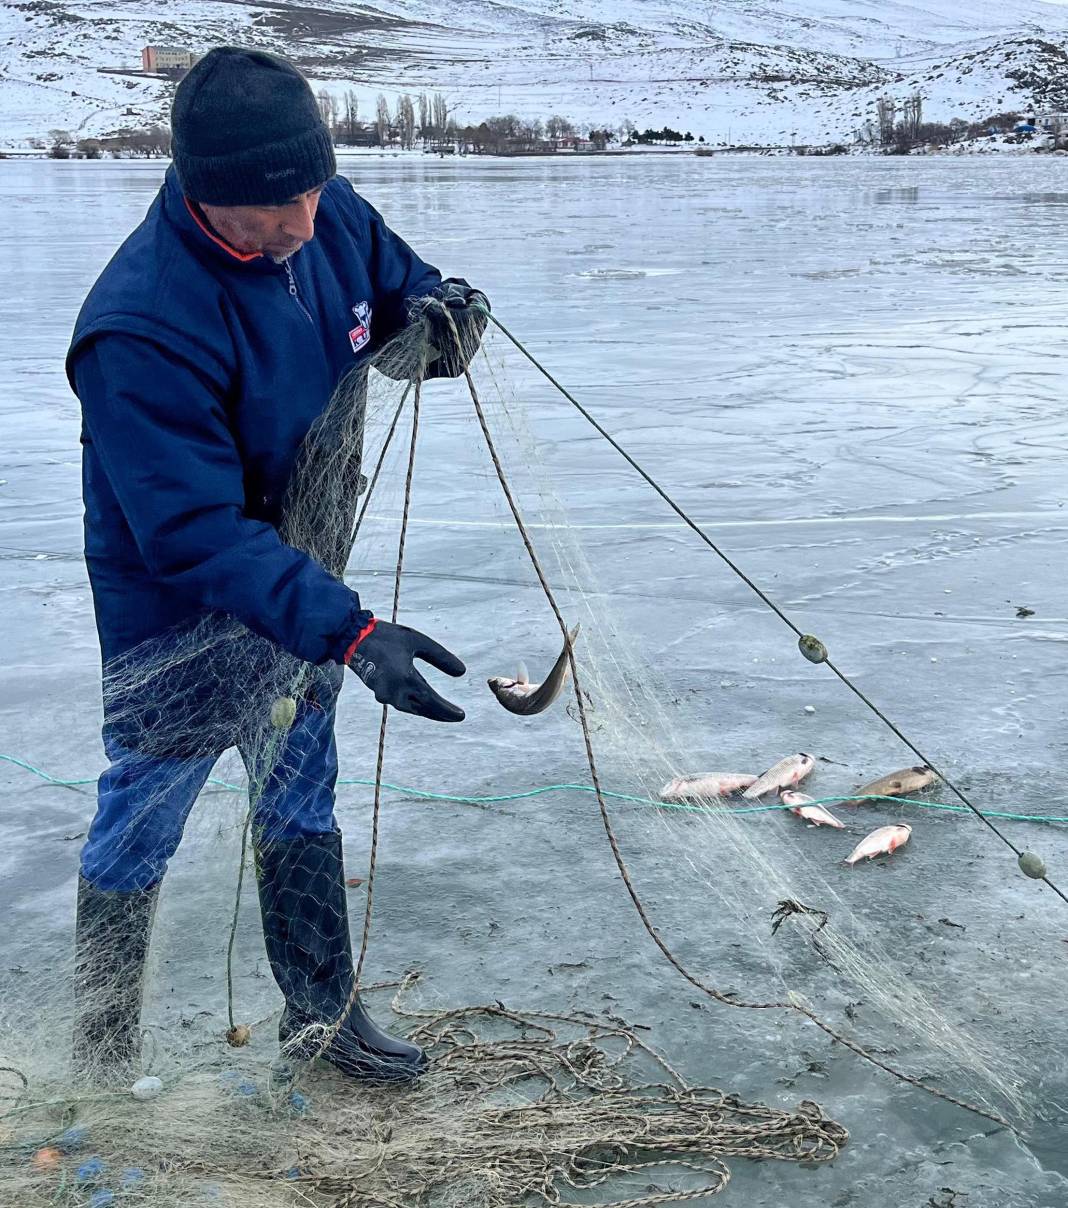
[[195, 231]]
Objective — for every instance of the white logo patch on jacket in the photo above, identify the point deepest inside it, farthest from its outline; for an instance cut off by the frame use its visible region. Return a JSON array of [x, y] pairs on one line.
[[361, 333]]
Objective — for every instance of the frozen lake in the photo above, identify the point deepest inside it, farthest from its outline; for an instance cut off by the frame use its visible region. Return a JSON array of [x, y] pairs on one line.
[[852, 371]]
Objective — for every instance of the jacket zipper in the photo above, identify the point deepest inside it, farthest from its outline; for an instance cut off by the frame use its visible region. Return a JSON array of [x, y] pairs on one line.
[[293, 291]]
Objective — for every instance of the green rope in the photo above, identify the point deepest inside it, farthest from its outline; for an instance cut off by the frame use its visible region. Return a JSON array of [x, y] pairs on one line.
[[423, 795]]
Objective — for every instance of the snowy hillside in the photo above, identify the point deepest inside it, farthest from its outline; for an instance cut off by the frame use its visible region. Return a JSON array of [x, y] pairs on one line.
[[753, 71]]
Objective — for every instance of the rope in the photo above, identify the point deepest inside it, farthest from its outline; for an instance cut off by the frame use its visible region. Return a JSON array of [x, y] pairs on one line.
[[719, 996], [525, 794], [532, 1113], [232, 940], [767, 600]]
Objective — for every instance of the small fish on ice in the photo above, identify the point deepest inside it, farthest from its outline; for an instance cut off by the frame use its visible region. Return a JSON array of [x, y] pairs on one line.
[[802, 805], [880, 842], [896, 784], [712, 784], [785, 774]]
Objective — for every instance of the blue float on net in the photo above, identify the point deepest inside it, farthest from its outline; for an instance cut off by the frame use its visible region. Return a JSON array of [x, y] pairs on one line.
[[102, 1198], [90, 1170], [73, 1138], [133, 1176], [298, 1103]]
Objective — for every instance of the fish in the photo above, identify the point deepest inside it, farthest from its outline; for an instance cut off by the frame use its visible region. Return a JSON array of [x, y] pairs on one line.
[[782, 775], [523, 698], [896, 784], [802, 805], [880, 842], [711, 784]]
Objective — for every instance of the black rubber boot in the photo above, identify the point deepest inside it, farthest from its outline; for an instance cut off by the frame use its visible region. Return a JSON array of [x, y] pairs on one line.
[[110, 946], [306, 930]]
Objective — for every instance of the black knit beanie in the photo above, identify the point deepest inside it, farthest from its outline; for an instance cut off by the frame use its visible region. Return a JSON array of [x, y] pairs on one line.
[[246, 131]]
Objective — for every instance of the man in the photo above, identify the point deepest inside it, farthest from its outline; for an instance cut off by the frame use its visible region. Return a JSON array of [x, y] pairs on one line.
[[204, 354]]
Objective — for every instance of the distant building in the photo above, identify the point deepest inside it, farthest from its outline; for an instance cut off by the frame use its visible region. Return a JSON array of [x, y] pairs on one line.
[[1056, 126], [1053, 123], [575, 142], [525, 144], [167, 58]]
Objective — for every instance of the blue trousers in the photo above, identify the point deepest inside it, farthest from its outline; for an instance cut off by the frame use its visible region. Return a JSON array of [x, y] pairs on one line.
[[143, 802]]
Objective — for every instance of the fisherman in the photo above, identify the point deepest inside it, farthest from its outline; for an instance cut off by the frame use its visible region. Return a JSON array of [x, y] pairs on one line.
[[205, 351]]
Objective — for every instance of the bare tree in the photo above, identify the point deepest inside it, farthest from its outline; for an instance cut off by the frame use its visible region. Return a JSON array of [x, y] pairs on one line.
[[558, 127], [886, 118], [382, 120], [907, 130], [866, 134], [328, 109], [149, 140], [406, 122], [352, 109], [499, 133], [439, 115], [424, 118], [912, 116]]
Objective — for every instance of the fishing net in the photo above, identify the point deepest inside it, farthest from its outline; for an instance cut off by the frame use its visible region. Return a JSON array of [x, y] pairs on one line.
[[525, 1102]]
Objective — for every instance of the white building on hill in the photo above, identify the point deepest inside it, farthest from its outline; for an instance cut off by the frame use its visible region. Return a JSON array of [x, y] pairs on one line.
[[167, 58]]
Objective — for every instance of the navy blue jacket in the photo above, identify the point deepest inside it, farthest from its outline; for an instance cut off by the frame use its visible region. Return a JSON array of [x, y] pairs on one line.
[[199, 374]]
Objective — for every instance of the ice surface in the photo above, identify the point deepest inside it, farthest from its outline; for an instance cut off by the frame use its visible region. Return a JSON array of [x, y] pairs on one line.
[[852, 373]]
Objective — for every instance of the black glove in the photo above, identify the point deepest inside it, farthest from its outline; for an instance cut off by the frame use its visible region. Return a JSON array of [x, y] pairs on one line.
[[456, 317], [384, 659]]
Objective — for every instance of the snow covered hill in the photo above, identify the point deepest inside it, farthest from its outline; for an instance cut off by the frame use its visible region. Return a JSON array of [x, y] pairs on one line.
[[752, 71]]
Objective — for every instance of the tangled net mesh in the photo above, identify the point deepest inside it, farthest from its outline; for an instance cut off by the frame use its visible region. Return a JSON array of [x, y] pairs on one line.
[[520, 1105]]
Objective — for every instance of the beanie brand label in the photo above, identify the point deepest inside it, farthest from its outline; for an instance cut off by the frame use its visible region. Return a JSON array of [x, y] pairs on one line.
[[360, 335], [278, 173]]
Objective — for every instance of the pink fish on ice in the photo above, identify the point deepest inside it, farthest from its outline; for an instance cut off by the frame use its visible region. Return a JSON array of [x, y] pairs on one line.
[[785, 774], [880, 842], [802, 805], [712, 784]]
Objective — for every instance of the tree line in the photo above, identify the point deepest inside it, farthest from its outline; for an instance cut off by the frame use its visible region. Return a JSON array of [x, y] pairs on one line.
[[424, 120], [666, 136], [427, 120], [128, 143], [899, 127]]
